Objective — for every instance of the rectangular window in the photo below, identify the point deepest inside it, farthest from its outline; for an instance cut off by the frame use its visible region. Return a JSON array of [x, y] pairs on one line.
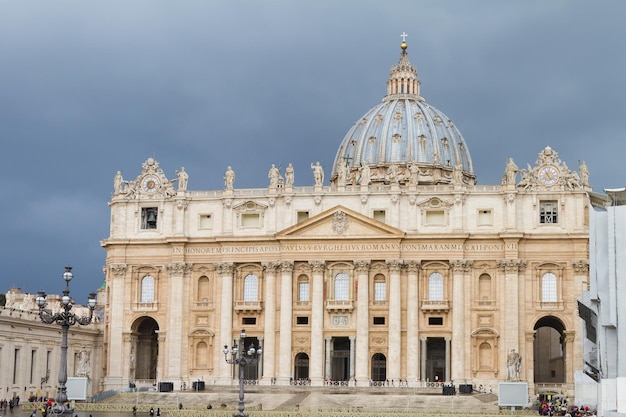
[[379, 215], [250, 321], [48, 353], [303, 291], [33, 357], [302, 216], [548, 212], [435, 217], [435, 321], [302, 320], [16, 362], [485, 217], [149, 217], [250, 220], [379, 321], [206, 221]]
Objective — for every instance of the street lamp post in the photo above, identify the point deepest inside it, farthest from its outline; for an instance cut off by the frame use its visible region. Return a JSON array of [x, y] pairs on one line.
[[65, 318], [239, 356]]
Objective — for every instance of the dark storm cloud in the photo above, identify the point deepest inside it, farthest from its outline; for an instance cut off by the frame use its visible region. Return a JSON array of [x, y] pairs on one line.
[[89, 88]]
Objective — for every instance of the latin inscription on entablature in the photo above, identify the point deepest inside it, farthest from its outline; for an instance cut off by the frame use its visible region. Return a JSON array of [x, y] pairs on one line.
[[339, 247]]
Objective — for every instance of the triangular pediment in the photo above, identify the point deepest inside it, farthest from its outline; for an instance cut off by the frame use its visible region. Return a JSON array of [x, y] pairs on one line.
[[337, 223]]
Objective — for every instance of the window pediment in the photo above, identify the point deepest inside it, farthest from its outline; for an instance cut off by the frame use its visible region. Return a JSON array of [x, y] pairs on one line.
[[250, 207], [435, 203]]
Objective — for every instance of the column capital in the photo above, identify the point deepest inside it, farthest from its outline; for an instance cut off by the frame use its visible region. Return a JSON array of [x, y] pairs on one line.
[[413, 266], [178, 268], [225, 268], [119, 270], [286, 266], [581, 266], [271, 266], [511, 265], [394, 265], [317, 266], [569, 335], [182, 204], [362, 266], [461, 265]]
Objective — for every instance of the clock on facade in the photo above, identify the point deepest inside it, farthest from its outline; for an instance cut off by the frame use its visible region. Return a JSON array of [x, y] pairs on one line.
[[150, 183], [548, 175]]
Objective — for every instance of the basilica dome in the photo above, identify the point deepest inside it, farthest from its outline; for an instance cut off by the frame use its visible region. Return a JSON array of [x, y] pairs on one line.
[[403, 139]]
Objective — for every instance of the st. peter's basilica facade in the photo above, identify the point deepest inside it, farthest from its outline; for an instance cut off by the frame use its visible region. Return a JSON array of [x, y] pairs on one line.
[[402, 269]]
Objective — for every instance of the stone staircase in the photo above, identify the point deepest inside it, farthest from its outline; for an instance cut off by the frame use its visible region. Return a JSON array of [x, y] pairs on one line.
[[316, 398]]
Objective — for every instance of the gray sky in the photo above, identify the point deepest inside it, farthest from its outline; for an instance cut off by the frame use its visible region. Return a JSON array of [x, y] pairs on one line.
[[89, 88]]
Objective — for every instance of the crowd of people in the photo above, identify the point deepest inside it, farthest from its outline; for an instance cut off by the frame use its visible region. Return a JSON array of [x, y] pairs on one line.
[[559, 407], [9, 404]]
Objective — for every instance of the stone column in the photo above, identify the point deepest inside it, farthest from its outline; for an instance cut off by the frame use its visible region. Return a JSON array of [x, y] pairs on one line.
[[129, 356], [316, 361], [460, 319], [116, 284], [394, 341], [362, 321], [285, 358], [570, 363], [423, 354], [352, 355], [328, 348], [175, 319], [269, 332], [448, 361], [528, 359], [225, 271], [412, 334], [511, 300]]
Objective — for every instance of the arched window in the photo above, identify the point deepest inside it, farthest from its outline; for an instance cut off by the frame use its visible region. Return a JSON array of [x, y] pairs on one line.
[[251, 288], [380, 288], [548, 288], [147, 289], [435, 287], [341, 287], [303, 289]]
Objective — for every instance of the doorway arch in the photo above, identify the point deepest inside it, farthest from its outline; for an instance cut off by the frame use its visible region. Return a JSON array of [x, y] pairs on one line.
[[145, 349], [379, 367], [549, 351], [301, 370]]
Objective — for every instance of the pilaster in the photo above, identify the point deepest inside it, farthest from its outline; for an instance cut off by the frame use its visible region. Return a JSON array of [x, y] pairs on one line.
[[316, 363], [285, 359], [362, 321]]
